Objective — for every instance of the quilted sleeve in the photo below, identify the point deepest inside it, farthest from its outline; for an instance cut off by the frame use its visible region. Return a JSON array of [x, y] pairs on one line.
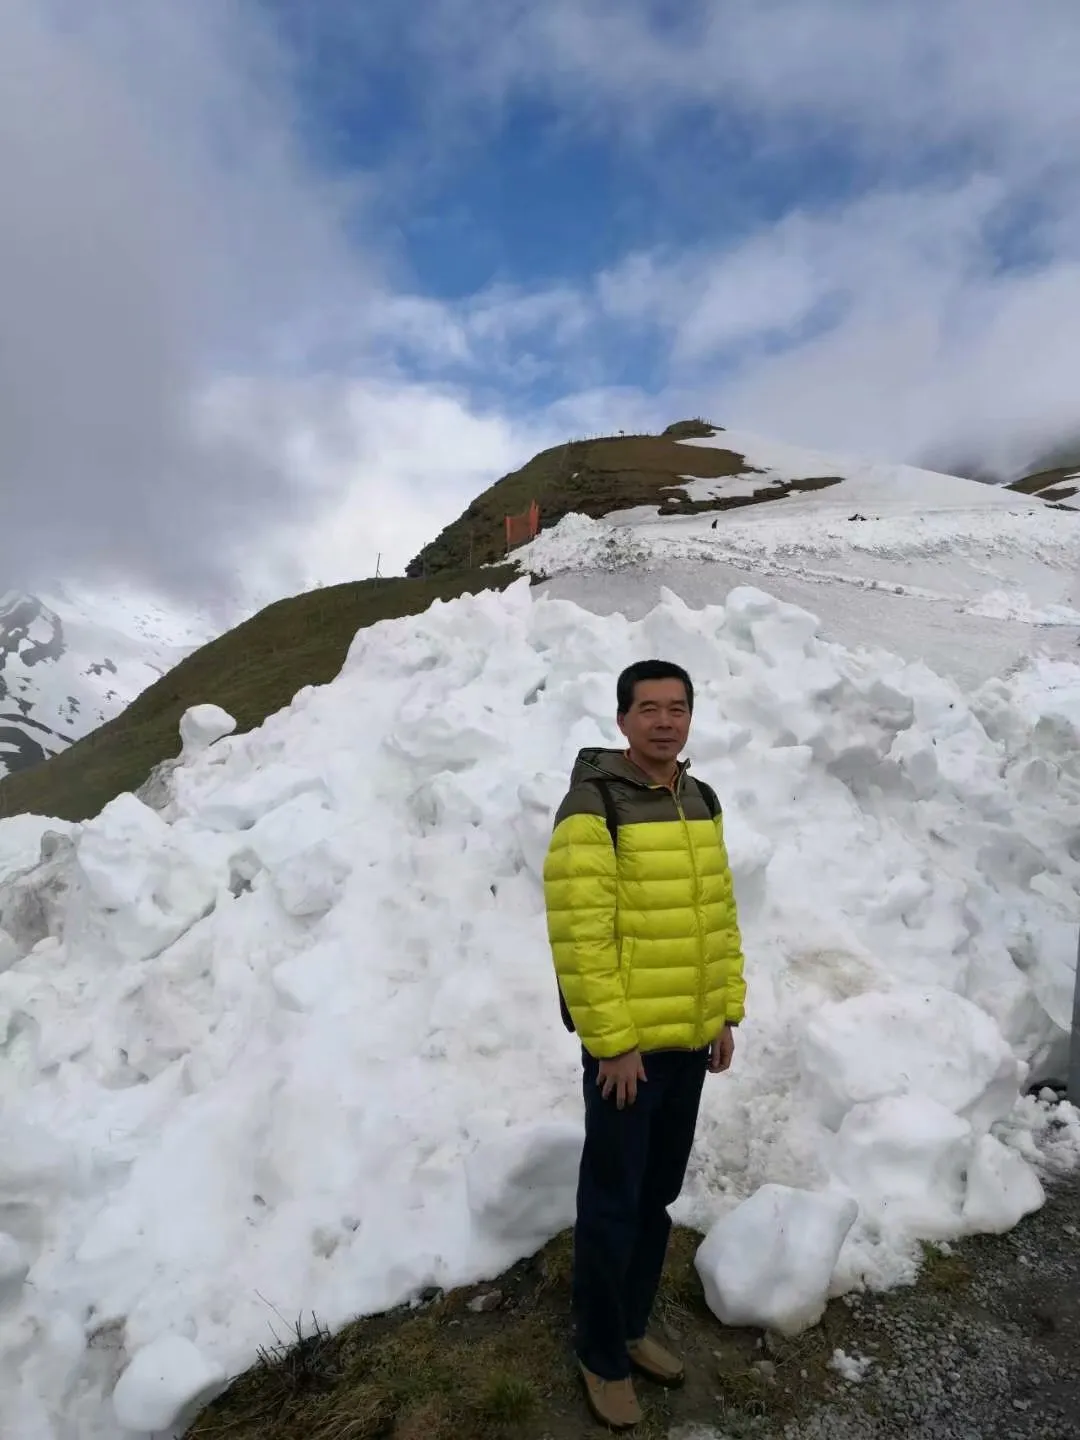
[[579, 891]]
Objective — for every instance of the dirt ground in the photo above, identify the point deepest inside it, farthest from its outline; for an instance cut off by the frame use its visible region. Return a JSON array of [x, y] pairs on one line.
[[986, 1345]]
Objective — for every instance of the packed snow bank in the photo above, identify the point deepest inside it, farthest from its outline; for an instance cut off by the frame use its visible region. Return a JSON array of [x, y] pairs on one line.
[[289, 1041]]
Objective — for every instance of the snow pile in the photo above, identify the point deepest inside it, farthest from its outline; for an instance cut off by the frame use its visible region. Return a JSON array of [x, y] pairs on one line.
[[974, 579], [288, 1042]]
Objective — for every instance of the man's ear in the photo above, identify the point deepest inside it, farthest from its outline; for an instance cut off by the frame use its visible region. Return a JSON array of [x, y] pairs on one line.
[[619, 720]]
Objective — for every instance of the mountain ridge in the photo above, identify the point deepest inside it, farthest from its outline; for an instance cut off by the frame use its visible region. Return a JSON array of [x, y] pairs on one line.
[[302, 640]]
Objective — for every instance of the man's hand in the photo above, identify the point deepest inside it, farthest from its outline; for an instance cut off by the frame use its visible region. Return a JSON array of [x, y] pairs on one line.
[[722, 1051], [620, 1077]]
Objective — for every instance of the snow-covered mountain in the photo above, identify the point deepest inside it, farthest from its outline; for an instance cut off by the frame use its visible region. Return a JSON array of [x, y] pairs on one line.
[[68, 663], [976, 580], [283, 1035]]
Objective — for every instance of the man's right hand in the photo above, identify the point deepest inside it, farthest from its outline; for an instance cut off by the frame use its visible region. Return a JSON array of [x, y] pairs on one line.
[[620, 1076]]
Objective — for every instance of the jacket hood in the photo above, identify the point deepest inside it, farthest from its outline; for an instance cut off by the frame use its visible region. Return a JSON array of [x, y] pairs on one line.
[[594, 762]]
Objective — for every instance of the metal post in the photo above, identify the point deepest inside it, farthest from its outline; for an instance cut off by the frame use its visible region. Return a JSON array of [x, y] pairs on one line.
[[1074, 1044]]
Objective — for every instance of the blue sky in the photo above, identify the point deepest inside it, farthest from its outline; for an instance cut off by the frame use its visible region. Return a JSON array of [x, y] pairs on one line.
[[287, 283]]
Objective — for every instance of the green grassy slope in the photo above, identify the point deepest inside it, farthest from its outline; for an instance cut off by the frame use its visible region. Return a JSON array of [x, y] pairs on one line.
[[594, 477], [251, 672]]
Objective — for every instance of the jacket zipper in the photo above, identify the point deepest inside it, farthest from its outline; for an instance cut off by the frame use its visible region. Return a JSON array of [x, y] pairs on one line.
[[699, 1021]]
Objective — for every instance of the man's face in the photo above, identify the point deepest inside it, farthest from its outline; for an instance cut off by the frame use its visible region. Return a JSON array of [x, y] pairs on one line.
[[658, 722]]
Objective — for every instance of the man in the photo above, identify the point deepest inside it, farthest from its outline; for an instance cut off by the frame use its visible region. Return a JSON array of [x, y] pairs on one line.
[[645, 939]]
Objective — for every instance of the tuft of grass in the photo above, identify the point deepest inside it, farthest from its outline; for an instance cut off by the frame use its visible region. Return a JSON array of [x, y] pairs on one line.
[[942, 1271], [252, 671], [508, 1399], [304, 1363]]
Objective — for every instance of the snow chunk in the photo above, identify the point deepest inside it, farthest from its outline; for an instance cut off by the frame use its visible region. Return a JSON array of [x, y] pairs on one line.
[[929, 1042], [21, 837], [852, 1368], [236, 804], [202, 726], [903, 1158], [165, 1384], [141, 888], [769, 1263], [1001, 1189], [523, 1186]]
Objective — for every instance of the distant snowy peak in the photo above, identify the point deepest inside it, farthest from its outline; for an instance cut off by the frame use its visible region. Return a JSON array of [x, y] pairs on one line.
[[67, 665]]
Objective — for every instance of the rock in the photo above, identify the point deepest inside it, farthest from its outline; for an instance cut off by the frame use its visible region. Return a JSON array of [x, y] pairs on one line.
[[481, 1304]]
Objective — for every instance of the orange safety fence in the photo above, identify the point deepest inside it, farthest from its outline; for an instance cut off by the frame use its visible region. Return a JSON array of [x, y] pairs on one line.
[[524, 527]]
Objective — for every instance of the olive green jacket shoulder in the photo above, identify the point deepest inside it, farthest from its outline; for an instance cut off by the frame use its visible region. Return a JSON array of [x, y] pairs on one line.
[[645, 935]]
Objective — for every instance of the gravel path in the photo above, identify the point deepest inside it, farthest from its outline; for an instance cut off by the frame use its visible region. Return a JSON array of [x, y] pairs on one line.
[[994, 1352]]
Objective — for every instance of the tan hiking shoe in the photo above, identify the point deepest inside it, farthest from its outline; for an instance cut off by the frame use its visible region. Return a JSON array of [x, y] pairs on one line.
[[656, 1363], [612, 1402]]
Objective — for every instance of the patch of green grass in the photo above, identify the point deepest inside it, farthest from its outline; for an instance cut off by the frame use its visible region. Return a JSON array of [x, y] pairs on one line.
[[944, 1271], [508, 1399], [252, 671]]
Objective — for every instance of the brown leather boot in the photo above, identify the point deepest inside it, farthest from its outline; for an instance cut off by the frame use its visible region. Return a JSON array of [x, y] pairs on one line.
[[655, 1363], [612, 1402]]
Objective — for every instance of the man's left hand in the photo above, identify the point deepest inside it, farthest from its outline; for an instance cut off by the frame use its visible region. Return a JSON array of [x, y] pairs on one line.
[[722, 1051]]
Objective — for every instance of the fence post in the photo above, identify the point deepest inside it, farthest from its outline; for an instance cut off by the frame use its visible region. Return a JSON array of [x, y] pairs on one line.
[[1074, 1039]]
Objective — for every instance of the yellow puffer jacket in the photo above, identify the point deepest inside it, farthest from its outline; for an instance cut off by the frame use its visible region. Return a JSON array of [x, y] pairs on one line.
[[646, 940]]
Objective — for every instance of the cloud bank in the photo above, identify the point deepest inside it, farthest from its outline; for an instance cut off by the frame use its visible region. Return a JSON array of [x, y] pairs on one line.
[[218, 374]]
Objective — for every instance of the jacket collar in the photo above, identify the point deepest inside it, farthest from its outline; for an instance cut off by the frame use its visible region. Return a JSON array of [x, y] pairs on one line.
[[594, 763]]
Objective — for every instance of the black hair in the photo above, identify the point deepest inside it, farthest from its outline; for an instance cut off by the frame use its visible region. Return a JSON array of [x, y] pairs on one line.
[[650, 670]]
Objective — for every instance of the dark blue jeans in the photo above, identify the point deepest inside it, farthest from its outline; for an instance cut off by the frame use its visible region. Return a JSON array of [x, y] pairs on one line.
[[632, 1168]]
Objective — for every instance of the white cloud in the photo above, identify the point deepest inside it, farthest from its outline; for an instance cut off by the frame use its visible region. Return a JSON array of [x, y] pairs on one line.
[[894, 73], [158, 227], [386, 466], [164, 233]]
